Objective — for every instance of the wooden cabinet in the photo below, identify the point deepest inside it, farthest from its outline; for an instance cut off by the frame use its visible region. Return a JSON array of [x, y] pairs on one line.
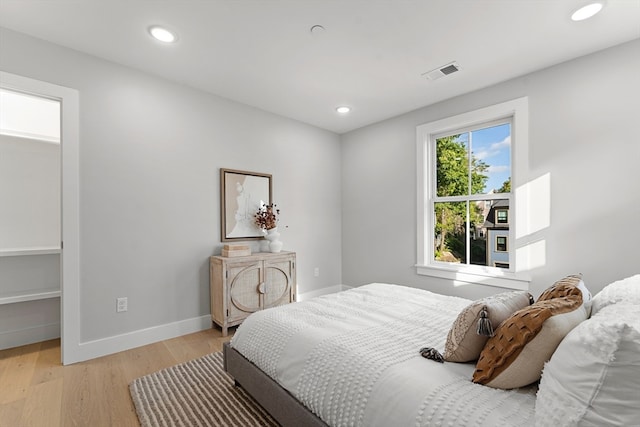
[[243, 285]]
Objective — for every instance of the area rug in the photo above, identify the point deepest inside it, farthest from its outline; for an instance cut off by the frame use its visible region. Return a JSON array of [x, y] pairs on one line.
[[195, 393]]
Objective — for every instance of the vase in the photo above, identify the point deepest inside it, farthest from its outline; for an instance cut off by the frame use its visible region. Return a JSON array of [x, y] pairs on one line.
[[264, 244], [275, 245]]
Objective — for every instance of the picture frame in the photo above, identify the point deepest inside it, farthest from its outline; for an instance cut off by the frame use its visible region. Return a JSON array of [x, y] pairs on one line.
[[242, 193]]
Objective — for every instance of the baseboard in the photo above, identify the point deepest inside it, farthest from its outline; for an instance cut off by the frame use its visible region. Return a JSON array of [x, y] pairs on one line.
[[33, 334], [102, 347], [328, 290]]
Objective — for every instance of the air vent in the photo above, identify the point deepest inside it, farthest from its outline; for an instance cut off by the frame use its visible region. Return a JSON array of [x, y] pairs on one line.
[[445, 70]]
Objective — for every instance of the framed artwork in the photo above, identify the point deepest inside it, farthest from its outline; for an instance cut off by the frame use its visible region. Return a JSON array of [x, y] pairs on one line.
[[242, 193]]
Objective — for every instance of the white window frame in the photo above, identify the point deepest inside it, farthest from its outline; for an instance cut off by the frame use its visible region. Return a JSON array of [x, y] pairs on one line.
[[514, 277]]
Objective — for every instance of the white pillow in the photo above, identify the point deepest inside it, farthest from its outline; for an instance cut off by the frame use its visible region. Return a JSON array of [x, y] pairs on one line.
[[625, 290], [586, 297], [593, 378]]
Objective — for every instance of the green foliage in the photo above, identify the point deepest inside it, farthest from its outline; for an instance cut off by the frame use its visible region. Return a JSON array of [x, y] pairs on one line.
[[456, 176], [452, 171], [506, 187]]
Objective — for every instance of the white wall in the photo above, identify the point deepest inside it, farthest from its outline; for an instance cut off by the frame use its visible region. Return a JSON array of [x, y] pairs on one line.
[[29, 193], [584, 137], [150, 154]]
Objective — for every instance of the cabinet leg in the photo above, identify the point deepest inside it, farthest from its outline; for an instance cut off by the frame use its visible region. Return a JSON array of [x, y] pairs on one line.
[[225, 329]]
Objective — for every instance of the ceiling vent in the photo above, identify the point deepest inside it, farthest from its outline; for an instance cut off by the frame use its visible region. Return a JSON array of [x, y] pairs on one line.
[[445, 70]]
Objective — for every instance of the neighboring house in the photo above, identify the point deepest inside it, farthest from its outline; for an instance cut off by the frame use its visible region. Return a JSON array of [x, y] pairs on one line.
[[497, 232]]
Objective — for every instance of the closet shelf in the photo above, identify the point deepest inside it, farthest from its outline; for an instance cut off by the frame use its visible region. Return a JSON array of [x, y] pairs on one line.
[[29, 251], [29, 295]]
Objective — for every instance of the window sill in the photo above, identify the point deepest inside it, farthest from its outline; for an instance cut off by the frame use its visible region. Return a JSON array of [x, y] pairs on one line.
[[462, 275]]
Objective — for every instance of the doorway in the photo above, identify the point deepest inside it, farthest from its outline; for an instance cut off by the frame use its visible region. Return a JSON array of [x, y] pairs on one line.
[[39, 238]]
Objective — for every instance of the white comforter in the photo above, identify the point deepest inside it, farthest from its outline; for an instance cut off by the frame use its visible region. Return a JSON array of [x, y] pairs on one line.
[[353, 359]]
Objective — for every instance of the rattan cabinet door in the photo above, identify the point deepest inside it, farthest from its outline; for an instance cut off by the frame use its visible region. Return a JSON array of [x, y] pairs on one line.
[[244, 281], [278, 281]]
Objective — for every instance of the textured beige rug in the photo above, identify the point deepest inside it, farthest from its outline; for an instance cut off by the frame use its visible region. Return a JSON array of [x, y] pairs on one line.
[[195, 393]]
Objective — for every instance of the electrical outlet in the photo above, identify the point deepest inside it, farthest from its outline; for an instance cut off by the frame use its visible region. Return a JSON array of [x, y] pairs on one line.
[[316, 272], [121, 304]]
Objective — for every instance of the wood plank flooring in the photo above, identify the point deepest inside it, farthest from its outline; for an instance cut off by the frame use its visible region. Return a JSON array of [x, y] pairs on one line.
[[36, 390]]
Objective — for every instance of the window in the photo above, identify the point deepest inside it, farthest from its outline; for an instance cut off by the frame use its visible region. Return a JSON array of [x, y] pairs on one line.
[[501, 243], [502, 216], [473, 170], [467, 165]]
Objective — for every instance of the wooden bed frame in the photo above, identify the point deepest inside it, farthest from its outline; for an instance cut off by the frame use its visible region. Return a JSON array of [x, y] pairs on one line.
[[283, 407]]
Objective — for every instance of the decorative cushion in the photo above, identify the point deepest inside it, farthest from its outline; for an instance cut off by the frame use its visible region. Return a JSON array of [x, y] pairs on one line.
[[625, 290], [592, 378], [464, 344], [568, 286], [515, 355]]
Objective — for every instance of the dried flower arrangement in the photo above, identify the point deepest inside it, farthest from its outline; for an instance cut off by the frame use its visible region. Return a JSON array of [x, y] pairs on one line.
[[267, 216]]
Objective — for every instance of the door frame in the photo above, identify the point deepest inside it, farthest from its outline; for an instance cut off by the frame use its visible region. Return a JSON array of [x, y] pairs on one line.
[[70, 205]]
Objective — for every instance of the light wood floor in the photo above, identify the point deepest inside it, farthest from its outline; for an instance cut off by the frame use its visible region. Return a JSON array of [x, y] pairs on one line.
[[36, 390]]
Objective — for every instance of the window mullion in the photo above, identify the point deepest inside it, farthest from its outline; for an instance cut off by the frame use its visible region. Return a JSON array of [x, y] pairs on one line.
[[451, 199], [469, 193], [468, 233], [473, 197], [469, 164]]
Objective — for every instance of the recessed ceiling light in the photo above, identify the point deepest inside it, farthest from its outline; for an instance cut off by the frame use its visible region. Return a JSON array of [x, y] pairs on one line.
[[586, 11], [162, 34], [317, 30], [343, 109]]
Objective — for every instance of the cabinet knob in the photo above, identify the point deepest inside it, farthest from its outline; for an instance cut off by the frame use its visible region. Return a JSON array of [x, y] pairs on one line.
[[261, 288]]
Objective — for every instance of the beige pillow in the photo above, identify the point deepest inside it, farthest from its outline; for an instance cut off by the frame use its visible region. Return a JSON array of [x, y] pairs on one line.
[[515, 355], [562, 288], [574, 283], [463, 342]]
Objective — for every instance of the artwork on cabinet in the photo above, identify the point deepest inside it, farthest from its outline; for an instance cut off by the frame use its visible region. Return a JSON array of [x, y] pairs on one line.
[[242, 193]]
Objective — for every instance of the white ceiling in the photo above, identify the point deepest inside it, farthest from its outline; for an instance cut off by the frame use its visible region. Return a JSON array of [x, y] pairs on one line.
[[371, 56]]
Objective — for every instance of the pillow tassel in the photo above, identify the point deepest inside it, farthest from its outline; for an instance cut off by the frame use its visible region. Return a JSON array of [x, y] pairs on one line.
[[484, 324], [431, 353]]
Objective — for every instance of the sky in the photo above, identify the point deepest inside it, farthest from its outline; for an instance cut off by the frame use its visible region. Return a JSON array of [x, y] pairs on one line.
[[493, 146]]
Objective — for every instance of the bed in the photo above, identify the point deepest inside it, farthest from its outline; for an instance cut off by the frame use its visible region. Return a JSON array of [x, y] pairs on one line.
[[353, 359]]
